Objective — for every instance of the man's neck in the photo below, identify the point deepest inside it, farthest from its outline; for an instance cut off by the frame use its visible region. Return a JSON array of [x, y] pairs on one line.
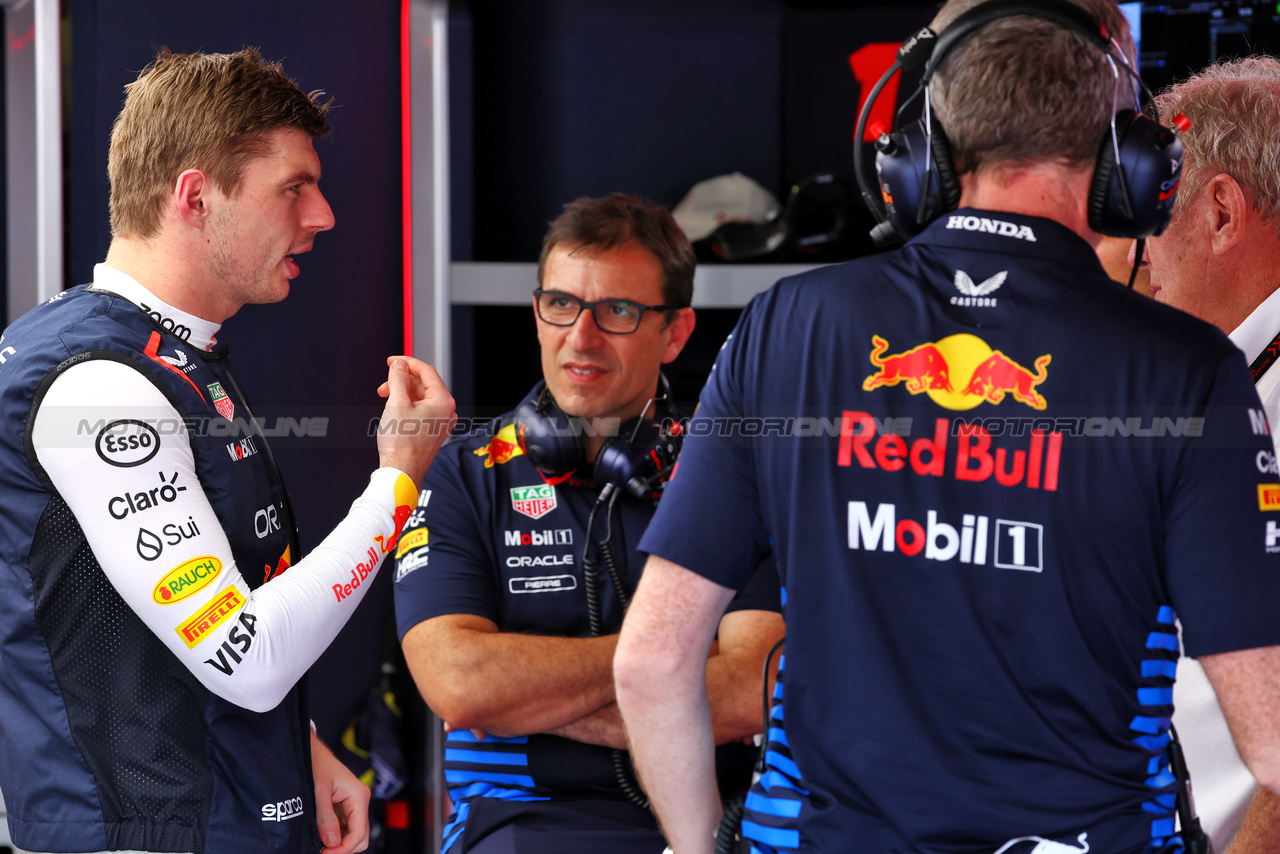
[[168, 272], [1045, 190]]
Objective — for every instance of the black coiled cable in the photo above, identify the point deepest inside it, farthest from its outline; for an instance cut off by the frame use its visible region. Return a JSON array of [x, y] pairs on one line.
[[620, 759]]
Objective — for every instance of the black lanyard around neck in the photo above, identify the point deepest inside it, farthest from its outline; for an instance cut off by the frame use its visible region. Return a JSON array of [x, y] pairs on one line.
[[1265, 359]]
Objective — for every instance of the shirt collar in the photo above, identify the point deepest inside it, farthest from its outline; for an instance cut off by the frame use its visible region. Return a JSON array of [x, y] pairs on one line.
[[196, 331], [1009, 234], [1256, 331]]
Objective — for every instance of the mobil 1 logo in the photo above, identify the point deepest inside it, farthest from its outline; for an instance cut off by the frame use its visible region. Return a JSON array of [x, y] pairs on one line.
[[543, 537], [1006, 544]]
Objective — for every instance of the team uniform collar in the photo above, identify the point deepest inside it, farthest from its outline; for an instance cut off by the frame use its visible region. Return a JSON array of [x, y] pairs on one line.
[[1009, 234], [1257, 330], [109, 279]]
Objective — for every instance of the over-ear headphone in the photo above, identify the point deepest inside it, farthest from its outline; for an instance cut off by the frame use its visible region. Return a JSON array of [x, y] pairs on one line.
[[635, 459], [1135, 177]]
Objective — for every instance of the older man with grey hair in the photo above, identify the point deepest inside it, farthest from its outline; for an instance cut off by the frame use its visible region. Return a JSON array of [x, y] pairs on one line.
[[1220, 260]]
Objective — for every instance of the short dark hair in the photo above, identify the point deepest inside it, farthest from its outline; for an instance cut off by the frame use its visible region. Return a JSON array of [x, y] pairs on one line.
[[210, 112], [604, 224], [1026, 90]]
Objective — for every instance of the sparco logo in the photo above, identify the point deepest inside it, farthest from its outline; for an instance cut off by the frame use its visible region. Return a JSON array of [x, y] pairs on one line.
[[135, 502], [1015, 545], [282, 810], [992, 226], [127, 443]]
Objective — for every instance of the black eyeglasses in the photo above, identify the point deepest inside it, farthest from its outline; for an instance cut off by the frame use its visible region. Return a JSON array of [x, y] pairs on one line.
[[617, 316]]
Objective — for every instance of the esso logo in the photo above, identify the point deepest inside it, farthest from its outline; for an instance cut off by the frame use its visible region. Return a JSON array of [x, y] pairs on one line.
[[1266, 462], [127, 443]]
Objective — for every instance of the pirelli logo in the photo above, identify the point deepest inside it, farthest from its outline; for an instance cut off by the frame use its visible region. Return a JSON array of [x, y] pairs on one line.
[[205, 621], [1268, 496], [413, 539]]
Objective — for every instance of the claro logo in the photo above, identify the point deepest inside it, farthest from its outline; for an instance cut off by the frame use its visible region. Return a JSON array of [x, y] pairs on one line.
[[127, 443]]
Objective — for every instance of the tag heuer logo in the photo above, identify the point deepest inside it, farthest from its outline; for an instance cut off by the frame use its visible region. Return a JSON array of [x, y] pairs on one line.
[[221, 402], [534, 501]]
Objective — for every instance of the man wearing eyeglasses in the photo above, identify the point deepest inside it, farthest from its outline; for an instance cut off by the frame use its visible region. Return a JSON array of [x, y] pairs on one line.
[[491, 595]]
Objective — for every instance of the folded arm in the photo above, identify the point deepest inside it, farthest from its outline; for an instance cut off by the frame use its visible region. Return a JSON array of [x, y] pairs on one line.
[[476, 677]]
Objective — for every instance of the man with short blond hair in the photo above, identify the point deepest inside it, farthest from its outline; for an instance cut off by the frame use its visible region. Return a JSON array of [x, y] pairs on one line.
[[156, 614]]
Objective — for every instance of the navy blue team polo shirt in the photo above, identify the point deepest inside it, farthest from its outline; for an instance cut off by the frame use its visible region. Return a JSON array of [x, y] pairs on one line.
[[495, 538], [991, 477]]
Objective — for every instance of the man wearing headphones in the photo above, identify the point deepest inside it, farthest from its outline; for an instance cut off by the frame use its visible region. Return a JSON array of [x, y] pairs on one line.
[[1037, 469], [1218, 260], [509, 612]]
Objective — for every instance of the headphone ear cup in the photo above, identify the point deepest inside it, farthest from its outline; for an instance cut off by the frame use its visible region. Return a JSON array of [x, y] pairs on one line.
[[1104, 168], [905, 171], [620, 458], [548, 439], [945, 168], [1151, 167], [635, 455]]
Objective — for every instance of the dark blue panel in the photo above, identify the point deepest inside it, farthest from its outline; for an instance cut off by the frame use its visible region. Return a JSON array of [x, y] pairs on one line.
[[578, 98]]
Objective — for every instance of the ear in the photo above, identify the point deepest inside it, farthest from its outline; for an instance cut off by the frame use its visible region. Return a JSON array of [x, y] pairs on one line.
[[678, 332], [191, 194], [1228, 209]]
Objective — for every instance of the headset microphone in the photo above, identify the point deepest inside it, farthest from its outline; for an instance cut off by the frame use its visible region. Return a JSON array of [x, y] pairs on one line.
[[642, 459], [637, 457]]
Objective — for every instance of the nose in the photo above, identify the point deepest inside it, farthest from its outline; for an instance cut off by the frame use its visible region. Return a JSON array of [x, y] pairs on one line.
[[585, 333], [319, 216], [1133, 248]]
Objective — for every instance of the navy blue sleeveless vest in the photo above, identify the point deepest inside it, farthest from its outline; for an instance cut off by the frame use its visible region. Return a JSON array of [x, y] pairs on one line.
[[106, 740]]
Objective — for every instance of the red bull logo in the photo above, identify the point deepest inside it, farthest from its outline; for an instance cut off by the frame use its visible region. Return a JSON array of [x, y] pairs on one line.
[[935, 369], [406, 496], [999, 374], [921, 368], [502, 448], [285, 560]]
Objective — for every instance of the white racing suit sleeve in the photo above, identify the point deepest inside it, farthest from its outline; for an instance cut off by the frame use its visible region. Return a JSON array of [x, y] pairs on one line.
[[277, 631]]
